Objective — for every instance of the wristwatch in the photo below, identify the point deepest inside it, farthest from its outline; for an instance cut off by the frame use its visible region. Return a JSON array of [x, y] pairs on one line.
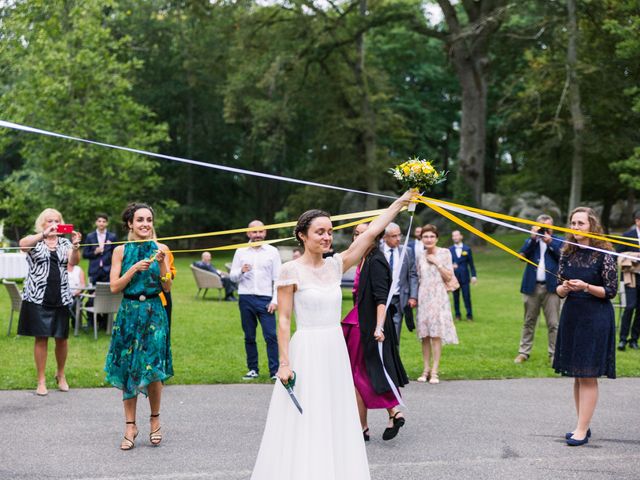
[[586, 289]]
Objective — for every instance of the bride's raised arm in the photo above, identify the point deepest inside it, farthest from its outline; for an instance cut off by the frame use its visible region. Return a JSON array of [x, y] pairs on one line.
[[354, 253]]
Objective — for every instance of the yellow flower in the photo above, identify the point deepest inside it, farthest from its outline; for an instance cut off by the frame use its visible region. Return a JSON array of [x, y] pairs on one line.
[[416, 169], [406, 170]]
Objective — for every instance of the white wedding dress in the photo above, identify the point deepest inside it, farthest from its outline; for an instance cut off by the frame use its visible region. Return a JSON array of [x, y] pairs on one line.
[[324, 442]]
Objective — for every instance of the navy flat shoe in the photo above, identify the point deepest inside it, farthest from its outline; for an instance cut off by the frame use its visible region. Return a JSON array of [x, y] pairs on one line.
[[568, 435], [572, 442]]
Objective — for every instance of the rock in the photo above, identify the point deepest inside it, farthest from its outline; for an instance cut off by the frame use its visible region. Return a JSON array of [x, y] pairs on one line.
[[530, 205]]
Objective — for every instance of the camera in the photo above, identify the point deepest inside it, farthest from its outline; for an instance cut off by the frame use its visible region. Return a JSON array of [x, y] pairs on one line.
[[544, 231]]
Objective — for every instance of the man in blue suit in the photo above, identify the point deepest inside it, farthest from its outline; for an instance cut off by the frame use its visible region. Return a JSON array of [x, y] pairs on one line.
[[99, 250], [539, 286], [632, 293], [465, 272]]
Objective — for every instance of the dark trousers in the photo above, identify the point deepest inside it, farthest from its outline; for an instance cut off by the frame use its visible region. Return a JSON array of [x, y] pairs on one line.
[[466, 297], [632, 306], [253, 308], [229, 287]]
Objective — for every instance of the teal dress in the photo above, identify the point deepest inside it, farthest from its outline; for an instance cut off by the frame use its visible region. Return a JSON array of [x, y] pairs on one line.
[[139, 353]]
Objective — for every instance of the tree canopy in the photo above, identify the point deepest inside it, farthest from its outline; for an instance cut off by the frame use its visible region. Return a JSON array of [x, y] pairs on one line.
[[334, 92]]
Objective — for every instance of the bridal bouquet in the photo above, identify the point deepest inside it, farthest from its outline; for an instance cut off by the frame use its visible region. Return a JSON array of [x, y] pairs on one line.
[[418, 175]]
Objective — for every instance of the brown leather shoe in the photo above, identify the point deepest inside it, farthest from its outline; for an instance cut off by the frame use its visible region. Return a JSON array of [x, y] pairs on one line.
[[521, 358]]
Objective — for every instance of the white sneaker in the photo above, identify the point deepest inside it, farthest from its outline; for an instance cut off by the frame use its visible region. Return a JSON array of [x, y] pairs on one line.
[[250, 375]]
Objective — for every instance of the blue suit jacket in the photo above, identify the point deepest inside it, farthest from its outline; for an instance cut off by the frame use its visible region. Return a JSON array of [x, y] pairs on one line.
[[466, 269], [89, 253], [633, 234], [531, 250]]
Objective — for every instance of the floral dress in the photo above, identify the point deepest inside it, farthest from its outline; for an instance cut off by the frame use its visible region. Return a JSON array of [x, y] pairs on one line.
[[139, 353], [434, 317]]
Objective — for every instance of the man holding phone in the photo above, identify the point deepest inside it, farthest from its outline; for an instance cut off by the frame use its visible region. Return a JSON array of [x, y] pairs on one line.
[[539, 286], [255, 270]]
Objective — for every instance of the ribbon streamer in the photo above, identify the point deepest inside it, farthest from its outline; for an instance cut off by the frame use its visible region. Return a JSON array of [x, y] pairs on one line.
[[24, 128]]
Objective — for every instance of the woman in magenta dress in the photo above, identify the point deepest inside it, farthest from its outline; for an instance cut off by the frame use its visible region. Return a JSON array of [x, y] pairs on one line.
[[364, 327]]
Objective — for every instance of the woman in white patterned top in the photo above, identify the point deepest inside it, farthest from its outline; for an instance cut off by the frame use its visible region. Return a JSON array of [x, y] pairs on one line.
[[325, 441], [46, 295]]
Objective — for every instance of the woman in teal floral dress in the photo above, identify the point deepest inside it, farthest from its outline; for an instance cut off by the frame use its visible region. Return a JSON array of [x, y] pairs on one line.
[[139, 358]]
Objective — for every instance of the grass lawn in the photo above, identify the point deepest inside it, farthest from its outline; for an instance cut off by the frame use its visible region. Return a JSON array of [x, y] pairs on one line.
[[208, 341]]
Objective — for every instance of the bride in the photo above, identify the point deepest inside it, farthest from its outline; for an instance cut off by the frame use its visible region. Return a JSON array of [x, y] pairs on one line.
[[325, 441]]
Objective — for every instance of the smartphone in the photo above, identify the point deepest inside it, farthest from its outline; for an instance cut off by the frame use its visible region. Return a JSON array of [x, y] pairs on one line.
[[65, 228]]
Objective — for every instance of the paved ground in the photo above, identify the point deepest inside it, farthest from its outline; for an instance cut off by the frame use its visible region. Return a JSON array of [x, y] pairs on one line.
[[509, 429]]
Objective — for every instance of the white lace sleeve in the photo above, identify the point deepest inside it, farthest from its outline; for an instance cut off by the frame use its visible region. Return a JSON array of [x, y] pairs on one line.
[[288, 275], [338, 262]]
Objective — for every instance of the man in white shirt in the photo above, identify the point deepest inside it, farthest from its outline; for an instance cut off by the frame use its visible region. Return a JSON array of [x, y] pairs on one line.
[[406, 291], [255, 270]]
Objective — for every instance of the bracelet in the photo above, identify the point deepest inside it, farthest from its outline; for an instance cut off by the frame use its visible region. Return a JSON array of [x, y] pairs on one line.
[[379, 329], [586, 290], [284, 364]]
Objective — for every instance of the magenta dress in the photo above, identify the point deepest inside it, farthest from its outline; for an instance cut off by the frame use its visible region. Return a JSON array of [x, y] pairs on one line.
[[351, 331]]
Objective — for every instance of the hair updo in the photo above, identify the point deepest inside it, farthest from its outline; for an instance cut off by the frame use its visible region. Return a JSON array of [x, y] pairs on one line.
[[129, 213], [304, 221]]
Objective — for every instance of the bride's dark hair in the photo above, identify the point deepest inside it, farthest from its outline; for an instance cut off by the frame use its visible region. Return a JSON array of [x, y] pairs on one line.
[[304, 221]]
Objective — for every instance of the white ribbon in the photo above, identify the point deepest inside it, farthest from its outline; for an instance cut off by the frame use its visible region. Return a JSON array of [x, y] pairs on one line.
[[16, 126], [484, 218]]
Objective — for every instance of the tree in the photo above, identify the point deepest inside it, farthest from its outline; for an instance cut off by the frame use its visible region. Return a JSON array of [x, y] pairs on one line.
[[468, 45], [63, 74], [577, 118]]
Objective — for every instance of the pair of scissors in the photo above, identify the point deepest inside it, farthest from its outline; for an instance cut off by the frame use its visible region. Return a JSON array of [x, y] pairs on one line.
[[289, 384]]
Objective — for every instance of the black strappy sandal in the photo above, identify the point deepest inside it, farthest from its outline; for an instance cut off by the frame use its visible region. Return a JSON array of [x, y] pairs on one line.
[[127, 443], [155, 437], [391, 432], [365, 434]]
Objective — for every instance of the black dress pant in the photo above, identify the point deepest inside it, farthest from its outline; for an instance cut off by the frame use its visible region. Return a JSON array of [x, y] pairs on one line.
[[628, 321]]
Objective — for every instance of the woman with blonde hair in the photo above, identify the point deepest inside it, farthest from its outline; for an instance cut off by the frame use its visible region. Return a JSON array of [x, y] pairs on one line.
[[585, 345], [46, 296]]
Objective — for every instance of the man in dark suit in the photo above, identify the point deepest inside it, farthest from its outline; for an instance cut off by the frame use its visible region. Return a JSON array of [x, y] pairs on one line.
[[406, 291], [465, 272], [632, 293], [99, 250], [539, 286], [229, 286]]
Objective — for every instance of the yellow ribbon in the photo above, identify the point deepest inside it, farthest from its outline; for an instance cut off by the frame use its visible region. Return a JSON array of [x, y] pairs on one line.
[[346, 216], [277, 240], [502, 216]]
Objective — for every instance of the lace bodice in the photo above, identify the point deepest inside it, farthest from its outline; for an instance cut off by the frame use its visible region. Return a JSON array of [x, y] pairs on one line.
[[317, 298], [595, 268]]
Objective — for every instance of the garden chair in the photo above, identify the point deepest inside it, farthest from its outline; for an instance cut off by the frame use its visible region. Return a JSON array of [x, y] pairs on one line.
[[16, 300], [104, 302], [206, 280]]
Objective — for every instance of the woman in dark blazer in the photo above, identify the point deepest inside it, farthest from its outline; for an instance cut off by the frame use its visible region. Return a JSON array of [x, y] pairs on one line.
[[364, 327]]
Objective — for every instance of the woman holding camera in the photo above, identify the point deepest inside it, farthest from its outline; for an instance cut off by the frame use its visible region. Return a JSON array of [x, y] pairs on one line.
[[46, 296], [139, 358]]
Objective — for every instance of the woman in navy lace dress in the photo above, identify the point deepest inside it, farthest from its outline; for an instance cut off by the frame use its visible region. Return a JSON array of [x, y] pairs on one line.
[[585, 347]]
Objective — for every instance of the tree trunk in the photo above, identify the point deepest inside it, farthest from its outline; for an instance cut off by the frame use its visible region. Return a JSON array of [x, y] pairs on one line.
[[367, 118], [473, 134], [577, 119]]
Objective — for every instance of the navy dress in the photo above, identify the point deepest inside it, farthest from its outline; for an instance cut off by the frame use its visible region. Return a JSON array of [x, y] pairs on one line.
[[585, 346]]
